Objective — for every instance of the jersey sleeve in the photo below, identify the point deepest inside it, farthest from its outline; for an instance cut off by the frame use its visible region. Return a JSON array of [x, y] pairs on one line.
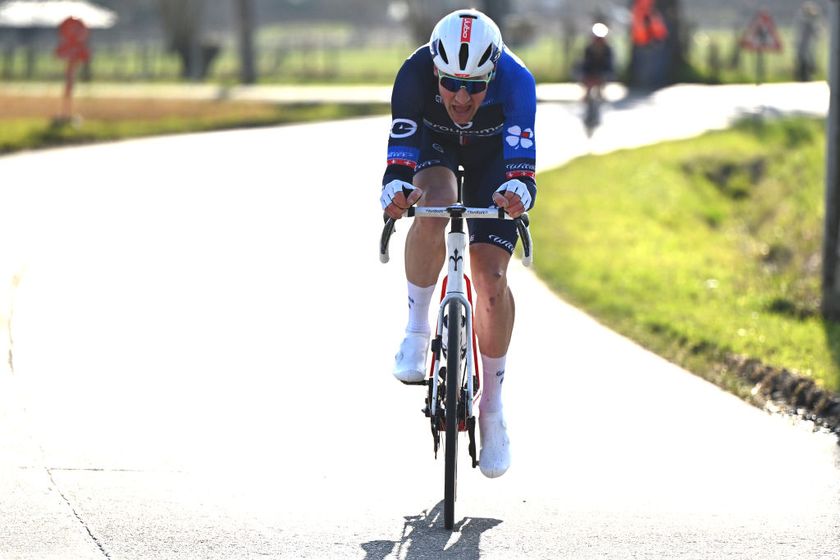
[[406, 120], [520, 108]]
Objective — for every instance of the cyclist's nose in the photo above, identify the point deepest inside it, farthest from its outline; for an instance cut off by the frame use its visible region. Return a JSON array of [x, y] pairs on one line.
[[462, 96]]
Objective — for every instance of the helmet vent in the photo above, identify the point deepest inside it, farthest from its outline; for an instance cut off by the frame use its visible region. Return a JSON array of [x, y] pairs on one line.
[[486, 55], [442, 52], [464, 55]]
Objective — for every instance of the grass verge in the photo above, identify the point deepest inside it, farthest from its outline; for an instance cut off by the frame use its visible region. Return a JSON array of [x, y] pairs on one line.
[[706, 251], [29, 123]]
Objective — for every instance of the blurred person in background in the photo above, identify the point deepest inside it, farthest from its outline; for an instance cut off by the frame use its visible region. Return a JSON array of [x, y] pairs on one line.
[[463, 99], [597, 66], [807, 33]]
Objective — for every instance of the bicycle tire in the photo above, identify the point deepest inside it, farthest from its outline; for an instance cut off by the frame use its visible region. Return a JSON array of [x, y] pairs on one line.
[[453, 387]]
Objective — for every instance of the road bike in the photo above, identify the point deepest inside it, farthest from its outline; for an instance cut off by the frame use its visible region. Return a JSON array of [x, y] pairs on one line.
[[454, 383]]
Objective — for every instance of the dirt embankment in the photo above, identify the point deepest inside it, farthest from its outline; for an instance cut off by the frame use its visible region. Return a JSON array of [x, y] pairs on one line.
[[793, 394]]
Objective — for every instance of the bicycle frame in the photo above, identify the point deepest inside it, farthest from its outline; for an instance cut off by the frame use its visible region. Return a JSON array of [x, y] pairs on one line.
[[456, 246], [456, 290], [455, 413]]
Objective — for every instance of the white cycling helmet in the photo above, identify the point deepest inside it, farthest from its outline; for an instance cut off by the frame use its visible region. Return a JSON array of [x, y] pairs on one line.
[[466, 44], [600, 30]]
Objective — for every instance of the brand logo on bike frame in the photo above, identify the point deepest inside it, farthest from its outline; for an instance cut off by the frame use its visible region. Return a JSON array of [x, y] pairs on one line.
[[455, 259]]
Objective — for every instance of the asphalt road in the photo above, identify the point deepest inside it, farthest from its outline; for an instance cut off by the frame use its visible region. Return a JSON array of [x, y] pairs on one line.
[[202, 349]]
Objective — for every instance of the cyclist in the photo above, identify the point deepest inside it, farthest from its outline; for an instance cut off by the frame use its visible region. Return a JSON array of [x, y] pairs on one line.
[[597, 65], [463, 99]]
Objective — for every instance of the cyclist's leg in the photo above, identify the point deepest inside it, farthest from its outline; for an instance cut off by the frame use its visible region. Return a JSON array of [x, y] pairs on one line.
[[587, 87], [491, 245], [425, 246], [425, 251], [495, 305]]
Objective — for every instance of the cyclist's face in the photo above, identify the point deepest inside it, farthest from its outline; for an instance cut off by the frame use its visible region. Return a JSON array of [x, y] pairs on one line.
[[461, 105]]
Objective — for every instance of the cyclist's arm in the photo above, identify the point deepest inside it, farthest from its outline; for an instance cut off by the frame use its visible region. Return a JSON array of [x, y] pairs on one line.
[[519, 140], [407, 117], [411, 83]]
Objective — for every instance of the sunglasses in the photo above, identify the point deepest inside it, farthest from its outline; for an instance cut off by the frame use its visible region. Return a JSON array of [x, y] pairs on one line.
[[472, 85]]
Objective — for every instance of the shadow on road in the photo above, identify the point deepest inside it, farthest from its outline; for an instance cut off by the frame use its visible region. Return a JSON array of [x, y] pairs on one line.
[[423, 536]]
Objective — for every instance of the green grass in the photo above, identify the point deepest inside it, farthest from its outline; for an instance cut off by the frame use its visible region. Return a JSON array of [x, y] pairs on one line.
[[33, 133], [699, 248]]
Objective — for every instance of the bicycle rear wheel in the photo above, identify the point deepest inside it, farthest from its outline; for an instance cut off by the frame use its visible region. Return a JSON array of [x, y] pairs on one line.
[[453, 387]]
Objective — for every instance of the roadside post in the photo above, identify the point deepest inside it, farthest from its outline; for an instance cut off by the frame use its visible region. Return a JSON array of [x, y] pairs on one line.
[[72, 46], [761, 36], [831, 237]]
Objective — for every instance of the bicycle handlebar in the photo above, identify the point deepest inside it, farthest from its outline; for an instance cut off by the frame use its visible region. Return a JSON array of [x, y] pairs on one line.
[[459, 211]]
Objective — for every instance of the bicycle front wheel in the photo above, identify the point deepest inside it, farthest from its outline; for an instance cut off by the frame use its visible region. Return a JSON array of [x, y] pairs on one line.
[[453, 387]]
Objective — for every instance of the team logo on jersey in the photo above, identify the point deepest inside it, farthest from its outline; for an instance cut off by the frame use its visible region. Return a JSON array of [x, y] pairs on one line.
[[403, 128], [520, 138]]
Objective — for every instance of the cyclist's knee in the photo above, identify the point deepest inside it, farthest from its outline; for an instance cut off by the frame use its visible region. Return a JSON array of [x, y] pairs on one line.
[[489, 270], [491, 285], [438, 184]]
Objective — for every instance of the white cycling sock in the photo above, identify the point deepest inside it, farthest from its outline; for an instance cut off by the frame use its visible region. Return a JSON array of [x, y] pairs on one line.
[[419, 299], [492, 378]]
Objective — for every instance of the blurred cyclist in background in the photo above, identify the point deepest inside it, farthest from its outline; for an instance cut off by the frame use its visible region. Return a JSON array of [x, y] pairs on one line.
[[597, 66]]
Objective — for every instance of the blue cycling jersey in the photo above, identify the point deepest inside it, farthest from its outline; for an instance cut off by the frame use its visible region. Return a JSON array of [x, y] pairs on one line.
[[505, 118]]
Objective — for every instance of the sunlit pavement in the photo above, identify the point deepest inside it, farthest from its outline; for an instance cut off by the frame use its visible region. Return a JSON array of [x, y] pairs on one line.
[[203, 336]]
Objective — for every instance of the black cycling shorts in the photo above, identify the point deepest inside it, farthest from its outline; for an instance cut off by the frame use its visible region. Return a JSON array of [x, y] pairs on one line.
[[484, 172]]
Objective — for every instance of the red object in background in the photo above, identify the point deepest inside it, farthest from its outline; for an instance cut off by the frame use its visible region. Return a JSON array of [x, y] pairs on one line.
[[762, 34], [647, 24], [72, 40], [72, 45]]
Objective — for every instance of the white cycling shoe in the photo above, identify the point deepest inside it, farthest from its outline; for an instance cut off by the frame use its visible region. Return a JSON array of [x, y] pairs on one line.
[[410, 366], [494, 459]]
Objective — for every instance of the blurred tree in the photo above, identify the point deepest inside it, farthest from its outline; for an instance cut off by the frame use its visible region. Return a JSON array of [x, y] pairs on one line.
[[182, 23], [677, 42], [569, 33], [498, 11], [421, 16], [245, 25]]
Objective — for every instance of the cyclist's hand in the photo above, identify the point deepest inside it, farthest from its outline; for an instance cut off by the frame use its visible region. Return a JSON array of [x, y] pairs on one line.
[[397, 197], [513, 197]]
